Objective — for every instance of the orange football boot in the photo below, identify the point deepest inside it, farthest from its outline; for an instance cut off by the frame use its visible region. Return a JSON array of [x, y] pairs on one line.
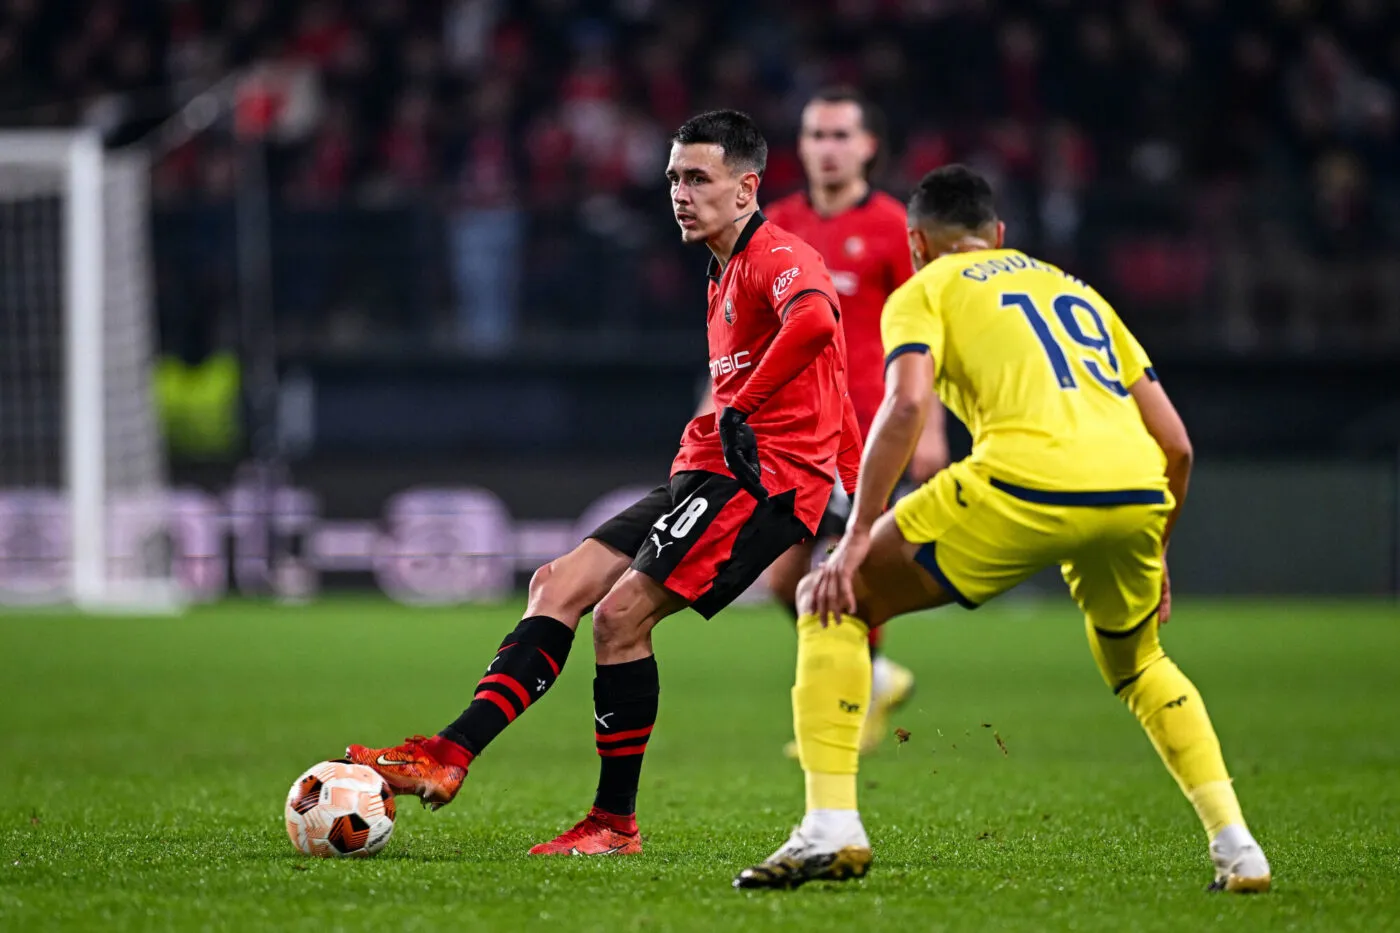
[[598, 833], [432, 768]]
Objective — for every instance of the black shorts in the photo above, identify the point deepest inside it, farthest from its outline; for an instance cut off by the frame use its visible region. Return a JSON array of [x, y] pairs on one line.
[[838, 510], [703, 537]]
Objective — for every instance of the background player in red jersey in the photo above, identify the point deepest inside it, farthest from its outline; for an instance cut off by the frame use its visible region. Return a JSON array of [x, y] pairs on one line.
[[860, 233], [747, 485]]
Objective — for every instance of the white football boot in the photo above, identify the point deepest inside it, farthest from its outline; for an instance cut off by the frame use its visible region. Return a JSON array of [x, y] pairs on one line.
[[1240, 865], [829, 845]]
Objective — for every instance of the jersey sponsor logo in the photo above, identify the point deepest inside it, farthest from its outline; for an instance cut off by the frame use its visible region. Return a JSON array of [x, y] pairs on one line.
[[784, 281], [729, 310], [731, 363], [847, 283], [854, 246]]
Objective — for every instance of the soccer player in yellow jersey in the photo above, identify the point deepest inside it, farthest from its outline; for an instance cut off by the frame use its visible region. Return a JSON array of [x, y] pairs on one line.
[[1078, 459]]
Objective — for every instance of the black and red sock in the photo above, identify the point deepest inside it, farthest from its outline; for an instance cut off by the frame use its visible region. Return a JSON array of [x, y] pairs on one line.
[[625, 698], [523, 670]]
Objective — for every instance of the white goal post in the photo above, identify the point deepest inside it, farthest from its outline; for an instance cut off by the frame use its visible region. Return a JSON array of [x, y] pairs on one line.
[[84, 515]]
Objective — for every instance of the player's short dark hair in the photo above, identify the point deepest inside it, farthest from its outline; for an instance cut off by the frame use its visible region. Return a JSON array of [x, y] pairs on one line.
[[954, 196], [734, 132]]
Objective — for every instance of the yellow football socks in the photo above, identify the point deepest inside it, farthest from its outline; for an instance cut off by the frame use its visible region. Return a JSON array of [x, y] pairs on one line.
[[829, 703], [1217, 806], [1171, 710], [830, 791]]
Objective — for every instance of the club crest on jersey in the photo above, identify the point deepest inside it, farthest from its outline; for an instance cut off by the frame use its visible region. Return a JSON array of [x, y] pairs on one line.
[[784, 281], [728, 310], [854, 246]]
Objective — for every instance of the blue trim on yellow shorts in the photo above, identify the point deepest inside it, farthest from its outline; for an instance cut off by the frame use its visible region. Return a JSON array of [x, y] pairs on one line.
[[1093, 498], [927, 558]]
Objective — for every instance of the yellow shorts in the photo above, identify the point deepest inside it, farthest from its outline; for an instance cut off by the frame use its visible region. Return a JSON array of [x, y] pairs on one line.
[[982, 537]]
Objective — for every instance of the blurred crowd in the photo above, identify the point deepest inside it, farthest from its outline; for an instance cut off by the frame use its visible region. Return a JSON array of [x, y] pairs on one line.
[[477, 167]]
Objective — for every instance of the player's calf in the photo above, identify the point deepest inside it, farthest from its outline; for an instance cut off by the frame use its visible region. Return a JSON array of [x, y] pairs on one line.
[[1172, 713], [626, 693], [525, 666]]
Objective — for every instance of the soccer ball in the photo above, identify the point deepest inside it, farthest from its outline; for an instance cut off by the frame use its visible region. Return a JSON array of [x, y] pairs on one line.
[[338, 809]]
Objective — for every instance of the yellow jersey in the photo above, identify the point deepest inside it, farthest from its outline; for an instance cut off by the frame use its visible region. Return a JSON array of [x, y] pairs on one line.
[[1036, 364]]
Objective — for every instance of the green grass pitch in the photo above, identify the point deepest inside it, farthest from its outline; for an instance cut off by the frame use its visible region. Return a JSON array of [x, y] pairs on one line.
[[144, 765]]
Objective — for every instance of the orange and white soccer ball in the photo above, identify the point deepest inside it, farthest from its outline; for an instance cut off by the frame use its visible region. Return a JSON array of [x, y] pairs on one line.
[[338, 809]]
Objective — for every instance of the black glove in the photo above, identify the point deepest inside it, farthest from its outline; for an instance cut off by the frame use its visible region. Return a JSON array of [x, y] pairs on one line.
[[741, 451]]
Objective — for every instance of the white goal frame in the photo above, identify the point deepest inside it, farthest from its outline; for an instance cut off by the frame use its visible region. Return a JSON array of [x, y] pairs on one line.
[[81, 157]]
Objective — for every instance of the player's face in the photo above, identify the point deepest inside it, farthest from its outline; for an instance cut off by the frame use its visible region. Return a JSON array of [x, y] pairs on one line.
[[706, 194], [834, 145]]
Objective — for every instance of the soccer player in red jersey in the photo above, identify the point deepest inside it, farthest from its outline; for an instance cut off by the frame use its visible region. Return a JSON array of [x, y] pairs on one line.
[[860, 233], [747, 484]]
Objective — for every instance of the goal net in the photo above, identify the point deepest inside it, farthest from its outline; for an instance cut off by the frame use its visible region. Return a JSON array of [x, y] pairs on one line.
[[84, 517]]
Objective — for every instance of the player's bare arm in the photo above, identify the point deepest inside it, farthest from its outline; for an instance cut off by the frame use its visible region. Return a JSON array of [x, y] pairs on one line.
[[931, 452], [1160, 418], [893, 436], [897, 427]]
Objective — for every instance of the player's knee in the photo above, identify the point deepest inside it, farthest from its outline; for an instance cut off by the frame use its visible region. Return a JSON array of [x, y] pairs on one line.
[[549, 590], [539, 580], [559, 590], [615, 629], [805, 594], [1123, 656]]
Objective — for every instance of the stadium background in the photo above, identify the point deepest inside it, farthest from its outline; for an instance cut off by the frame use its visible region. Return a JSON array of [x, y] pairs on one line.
[[469, 278], [457, 327]]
